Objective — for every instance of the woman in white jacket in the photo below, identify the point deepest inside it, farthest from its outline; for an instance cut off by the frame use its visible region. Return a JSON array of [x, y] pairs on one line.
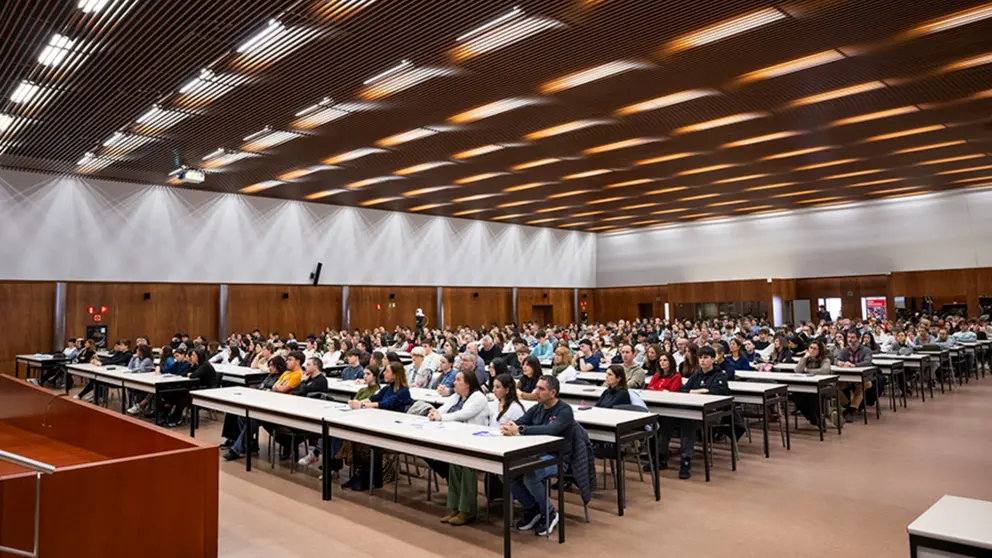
[[469, 405]]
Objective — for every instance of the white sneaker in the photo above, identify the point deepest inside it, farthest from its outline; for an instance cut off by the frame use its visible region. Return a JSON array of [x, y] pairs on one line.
[[88, 398], [309, 459], [34, 381], [75, 397], [135, 409]]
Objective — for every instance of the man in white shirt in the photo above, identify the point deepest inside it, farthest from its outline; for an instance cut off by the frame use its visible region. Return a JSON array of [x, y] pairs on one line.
[[432, 360], [680, 345]]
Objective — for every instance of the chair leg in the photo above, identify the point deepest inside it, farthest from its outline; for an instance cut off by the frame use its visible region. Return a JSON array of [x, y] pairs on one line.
[[781, 427], [613, 473], [406, 462], [396, 481], [747, 427], [640, 468]]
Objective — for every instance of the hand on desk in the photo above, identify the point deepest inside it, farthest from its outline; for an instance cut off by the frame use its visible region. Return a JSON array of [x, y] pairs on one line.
[[443, 390], [509, 428], [433, 415], [704, 390], [845, 364], [355, 404]]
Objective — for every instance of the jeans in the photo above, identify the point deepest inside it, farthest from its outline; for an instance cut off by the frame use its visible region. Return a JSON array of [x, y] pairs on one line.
[[246, 431], [335, 446], [529, 488], [688, 428]]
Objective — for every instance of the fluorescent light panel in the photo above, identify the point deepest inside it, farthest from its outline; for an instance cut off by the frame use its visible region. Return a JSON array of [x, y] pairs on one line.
[[501, 32], [274, 42], [725, 29], [491, 109], [468, 212], [400, 80], [666, 101], [904, 133], [324, 194], [121, 142], [267, 138], [666, 158], [222, 158], [479, 177], [583, 77], [928, 147], [377, 201], [477, 151], [956, 19], [740, 178], [702, 170], [425, 207], [792, 66], [533, 164], [950, 160], [429, 190], [825, 164], [422, 167], [635, 182], [306, 171], [527, 186], [61, 50], [797, 152], [405, 137], [718, 122], [762, 139], [586, 174], [875, 115], [624, 144], [564, 129], [836, 94], [371, 181], [255, 188], [326, 111], [208, 87], [158, 119], [352, 155]]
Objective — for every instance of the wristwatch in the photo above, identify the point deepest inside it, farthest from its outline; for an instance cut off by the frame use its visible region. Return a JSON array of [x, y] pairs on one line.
[[363, 404]]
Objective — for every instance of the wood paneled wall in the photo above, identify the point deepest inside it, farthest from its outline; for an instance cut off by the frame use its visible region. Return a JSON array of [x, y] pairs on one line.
[[476, 306], [720, 291], [28, 311], [624, 303], [362, 303], [559, 299], [848, 289], [169, 308], [301, 309]]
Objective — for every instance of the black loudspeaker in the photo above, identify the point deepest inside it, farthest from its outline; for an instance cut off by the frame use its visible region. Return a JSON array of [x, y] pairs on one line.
[[475, 295], [315, 274], [545, 295], [148, 296], [392, 296], [285, 296], [584, 295]]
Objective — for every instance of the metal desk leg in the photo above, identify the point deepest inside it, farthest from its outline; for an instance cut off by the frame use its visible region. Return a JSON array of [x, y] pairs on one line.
[[561, 497], [621, 497], [326, 462], [764, 424], [864, 392], [508, 510], [248, 442], [733, 441], [653, 462], [785, 415], [878, 399], [840, 417], [706, 449], [193, 409], [819, 412]]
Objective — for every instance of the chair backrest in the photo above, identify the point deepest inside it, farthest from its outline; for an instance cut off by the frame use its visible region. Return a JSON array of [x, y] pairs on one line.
[[631, 407]]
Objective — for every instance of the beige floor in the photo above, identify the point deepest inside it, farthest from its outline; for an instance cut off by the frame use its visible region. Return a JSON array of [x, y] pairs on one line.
[[849, 496]]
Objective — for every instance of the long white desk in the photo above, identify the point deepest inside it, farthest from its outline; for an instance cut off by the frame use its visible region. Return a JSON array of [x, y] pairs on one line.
[[467, 445], [895, 370], [604, 425], [767, 396], [921, 363], [145, 382], [822, 386], [709, 410], [240, 375], [953, 526], [37, 361], [856, 375]]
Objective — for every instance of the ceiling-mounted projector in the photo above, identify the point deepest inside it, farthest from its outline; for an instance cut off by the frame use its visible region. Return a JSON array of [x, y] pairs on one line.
[[188, 175]]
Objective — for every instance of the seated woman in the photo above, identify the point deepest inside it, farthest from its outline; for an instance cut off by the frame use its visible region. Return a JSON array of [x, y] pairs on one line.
[[780, 351], [239, 441], [736, 358], [497, 368], [561, 365], [665, 378], [528, 381], [394, 396], [616, 388], [468, 405], [206, 376], [815, 361], [231, 355], [419, 373], [505, 405], [333, 354]]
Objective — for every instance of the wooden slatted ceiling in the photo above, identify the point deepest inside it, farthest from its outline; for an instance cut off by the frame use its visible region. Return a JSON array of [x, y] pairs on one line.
[[915, 78]]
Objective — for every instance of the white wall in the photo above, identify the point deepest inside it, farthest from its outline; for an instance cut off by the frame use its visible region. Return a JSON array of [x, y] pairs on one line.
[[943, 231], [82, 229]]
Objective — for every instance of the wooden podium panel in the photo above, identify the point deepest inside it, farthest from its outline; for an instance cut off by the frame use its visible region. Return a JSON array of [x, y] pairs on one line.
[[121, 486]]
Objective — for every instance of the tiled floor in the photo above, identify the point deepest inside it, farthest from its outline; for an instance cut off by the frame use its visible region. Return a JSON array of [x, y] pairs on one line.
[[849, 496]]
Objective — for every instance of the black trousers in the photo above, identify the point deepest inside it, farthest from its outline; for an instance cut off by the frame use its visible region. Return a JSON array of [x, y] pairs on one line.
[[808, 404], [688, 436]]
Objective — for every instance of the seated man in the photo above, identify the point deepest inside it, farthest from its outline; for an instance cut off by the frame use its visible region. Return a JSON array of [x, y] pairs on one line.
[[354, 370], [543, 350], [585, 360], [634, 373], [551, 417], [853, 356]]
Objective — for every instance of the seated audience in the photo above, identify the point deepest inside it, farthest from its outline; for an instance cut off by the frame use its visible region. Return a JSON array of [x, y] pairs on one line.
[[815, 361], [616, 388]]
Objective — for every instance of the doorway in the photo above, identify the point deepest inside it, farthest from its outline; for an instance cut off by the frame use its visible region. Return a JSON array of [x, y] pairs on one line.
[[542, 314], [645, 310]]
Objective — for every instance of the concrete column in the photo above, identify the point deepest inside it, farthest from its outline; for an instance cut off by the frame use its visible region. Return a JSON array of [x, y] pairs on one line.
[[222, 328], [345, 309], [58, 331], [515, 306], [576, 317], [440, 306]]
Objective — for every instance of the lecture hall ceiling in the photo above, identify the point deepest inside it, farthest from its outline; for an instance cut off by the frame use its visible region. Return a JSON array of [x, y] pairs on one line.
[[582, 115]]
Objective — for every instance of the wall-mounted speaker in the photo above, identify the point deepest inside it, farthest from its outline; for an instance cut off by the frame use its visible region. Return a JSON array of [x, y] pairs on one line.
[[392, 296], [584, 295], [148, 296], [315, 274], [285, 296], [545, 295], [475, 294]]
